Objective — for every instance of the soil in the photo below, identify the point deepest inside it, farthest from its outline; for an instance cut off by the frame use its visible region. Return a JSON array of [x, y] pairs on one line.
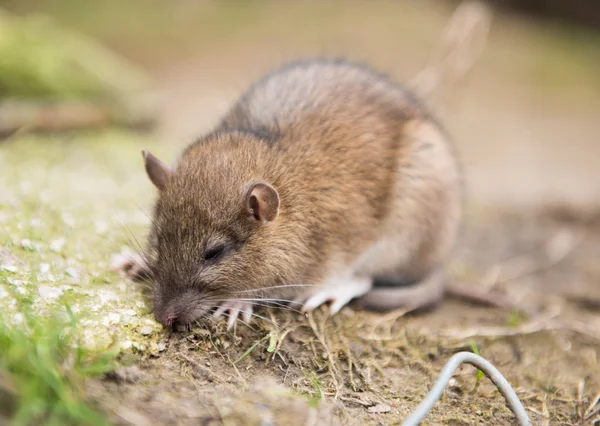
[[358, 362]]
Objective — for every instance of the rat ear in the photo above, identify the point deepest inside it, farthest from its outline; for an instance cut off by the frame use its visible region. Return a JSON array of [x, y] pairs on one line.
[[157, 171], [262, 202]]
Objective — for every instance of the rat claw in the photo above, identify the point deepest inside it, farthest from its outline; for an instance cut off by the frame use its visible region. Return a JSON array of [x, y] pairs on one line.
[[247, 312], [338, 304], [234, 309], [132, 264], [315, 301], [337, 290], [234, 312], [220, 311]]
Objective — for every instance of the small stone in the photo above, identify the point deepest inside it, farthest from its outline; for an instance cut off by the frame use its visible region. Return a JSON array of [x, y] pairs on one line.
[[380, 408], [146, 330], [101, 227], [27, 244], [9, 268], [126, 375], [57, 245], [44, 268], [68, 220], [16, 283], [72, 272], [162, 347], [127, 344], [108, 296], [18, 318], [47, 292], [112, 318]]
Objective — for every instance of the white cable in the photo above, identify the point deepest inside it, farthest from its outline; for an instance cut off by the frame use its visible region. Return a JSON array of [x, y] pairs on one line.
[[488, 369]]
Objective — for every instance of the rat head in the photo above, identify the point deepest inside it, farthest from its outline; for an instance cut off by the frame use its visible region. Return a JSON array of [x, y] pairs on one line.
[[213, 229]]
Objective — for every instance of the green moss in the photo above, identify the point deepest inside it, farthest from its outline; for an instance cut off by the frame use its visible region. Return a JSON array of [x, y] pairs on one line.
[[63, 214]]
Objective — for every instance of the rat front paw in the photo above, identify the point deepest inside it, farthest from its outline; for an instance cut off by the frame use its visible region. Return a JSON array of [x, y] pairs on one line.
[[233, 310], [338, 291], [132, 264]]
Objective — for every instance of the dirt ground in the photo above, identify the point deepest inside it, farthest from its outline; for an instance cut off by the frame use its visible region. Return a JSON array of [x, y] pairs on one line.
[[525, 123], [359, 363]]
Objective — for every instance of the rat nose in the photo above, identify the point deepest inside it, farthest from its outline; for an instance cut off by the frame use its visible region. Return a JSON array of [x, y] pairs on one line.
[[171, 318]]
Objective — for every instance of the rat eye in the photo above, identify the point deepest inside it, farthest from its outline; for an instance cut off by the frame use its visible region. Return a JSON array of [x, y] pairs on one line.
[[215, 252]]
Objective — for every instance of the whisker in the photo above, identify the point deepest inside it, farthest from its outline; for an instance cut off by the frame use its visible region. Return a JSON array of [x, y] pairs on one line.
[[281, 306], [258, 299], [277, 286], [267, 303]]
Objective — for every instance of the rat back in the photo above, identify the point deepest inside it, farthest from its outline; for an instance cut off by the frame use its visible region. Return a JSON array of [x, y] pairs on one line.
[[362, 168]]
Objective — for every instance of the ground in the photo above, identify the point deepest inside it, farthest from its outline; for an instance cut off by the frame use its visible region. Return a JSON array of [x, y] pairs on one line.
[[526, 135]]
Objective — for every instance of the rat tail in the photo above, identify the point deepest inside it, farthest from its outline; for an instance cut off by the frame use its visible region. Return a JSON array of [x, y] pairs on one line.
[[461, 43], [423, 294]]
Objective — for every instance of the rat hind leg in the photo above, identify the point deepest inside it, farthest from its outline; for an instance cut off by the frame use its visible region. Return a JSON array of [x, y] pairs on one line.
[[337, 290]]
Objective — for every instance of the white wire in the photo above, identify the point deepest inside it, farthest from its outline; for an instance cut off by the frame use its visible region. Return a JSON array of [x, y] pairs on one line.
[[488, 369]]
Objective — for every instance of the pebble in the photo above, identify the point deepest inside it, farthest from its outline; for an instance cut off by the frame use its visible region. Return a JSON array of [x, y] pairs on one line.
[[47, 292], [18, 318], [127, 344], [57, 245], [27, 244], [161, 347], [44, 268], [380, 408], [112, 318], [101, 227], [146, 330], [9, 268], [68, 219], [107, 296], [16, 283], [72, 272]]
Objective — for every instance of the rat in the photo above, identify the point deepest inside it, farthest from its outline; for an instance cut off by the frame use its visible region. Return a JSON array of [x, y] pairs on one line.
[[325, 182]]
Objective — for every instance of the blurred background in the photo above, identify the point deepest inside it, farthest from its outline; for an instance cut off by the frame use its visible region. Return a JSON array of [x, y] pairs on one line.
[[526, 118]]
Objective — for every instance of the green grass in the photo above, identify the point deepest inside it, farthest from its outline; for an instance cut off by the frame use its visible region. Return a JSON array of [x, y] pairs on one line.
[[43, 369], [480, 373]]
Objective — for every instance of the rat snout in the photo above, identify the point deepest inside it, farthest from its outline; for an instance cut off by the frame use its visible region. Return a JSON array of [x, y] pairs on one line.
[[171, 318], [185, 309]]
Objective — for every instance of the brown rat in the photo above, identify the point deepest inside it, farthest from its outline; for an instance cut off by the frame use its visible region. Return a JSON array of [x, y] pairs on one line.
[[325, 179]]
